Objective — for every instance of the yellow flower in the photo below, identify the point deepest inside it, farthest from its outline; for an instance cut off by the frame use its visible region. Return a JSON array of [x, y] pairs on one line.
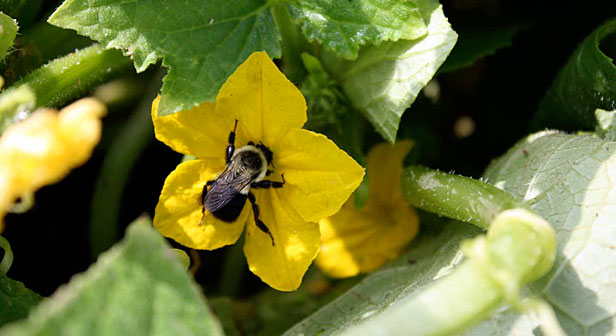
[[318, 176], [45, 147], [354, 241]]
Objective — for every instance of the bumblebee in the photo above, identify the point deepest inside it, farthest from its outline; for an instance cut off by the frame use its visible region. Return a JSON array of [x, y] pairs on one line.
[[247, 167]]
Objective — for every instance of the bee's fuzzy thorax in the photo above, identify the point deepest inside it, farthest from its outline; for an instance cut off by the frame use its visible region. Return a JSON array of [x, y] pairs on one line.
[[264, 162]]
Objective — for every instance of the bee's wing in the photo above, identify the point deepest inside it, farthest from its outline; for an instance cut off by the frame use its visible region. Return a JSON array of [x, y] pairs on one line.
[[228, 184]]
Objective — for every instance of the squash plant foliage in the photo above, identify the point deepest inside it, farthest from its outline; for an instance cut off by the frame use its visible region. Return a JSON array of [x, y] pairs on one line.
[[446, 168]]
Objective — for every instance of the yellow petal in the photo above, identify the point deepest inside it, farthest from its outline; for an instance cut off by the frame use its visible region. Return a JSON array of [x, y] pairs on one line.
[[178, 211], [355, 241], [197, 131], [297, 243], [319, 176], [34, 151], [265, 103], [81, 127], [385, 166], [44, 148]]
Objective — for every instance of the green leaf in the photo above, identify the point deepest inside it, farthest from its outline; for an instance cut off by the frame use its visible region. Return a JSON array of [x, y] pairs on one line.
[[568, 180], [8, 31], [431, 257], [15, 300], [201, 42], [585, 83], [385, 80], [475, 44], [344, 26], [139, 287]]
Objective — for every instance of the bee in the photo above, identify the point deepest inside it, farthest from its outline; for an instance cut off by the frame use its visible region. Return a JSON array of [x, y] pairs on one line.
[[247, 167]]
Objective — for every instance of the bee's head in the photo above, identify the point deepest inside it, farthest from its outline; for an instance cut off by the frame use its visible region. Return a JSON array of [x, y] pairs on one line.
[[251, 160], [269, 156]]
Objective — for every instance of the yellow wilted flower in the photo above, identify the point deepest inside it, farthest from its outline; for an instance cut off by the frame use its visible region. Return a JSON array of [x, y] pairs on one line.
[[311, 177], [354, 241], [44, 148]]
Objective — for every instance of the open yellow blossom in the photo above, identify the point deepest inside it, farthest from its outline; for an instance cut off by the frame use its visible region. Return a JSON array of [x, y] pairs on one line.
[[45, 147], [318, 176], [354, 241]]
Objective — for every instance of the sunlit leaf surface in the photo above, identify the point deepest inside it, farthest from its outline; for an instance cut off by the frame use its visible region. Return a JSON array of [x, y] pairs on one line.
[[139, 287], [201, 42], [344, 26], [384, 80], [567, 179]]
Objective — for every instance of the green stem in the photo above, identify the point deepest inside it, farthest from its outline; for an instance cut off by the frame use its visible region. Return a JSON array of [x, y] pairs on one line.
[[549, 322], [123, 154], [232, 270], [7, 260], [455, 196], [72, 76], [293, 43], [38, 45], [518, 248], [61, 81]]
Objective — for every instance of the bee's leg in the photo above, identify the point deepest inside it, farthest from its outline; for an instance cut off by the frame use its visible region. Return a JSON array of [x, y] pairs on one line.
[[203, 195], [231, 146], [266, 184], [255, 211]]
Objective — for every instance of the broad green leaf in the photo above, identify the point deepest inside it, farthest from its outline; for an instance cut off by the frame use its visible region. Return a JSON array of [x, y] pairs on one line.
[[585, 83], [15, 300], [344, 26], [568, 180], [475, 44], [8, 31], [139, 287], [430, 258], [384, 80], [201, 42]]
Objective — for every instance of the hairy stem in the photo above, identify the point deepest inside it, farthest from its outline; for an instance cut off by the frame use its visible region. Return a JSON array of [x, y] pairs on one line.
[[455, 196], [60, 81], [293, 43], [518, 248]]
